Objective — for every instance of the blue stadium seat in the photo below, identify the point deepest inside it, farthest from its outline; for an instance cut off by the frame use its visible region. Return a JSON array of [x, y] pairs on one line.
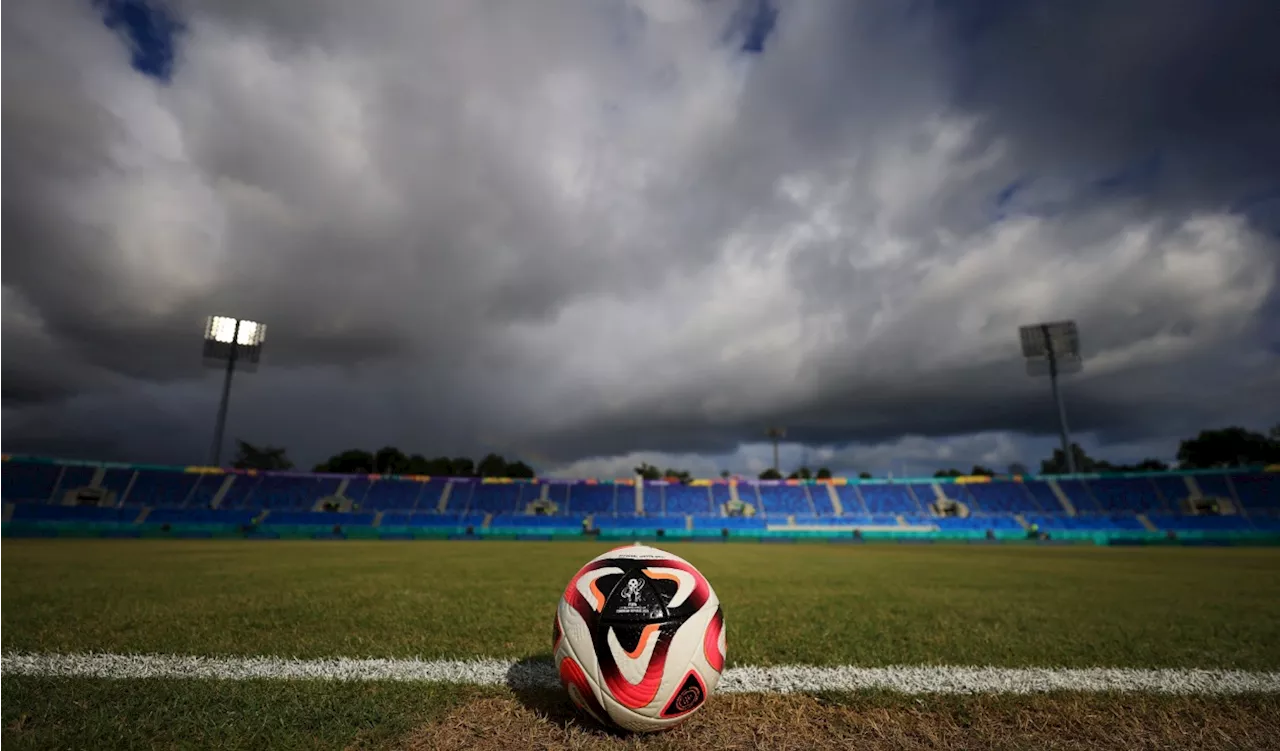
[[889, 499], [1173, 489], [924, 493], [1135, 494], [640, 522], [1044, 496], [501, 498], [325, 518], [1078, 493], [654, 499], [1259, 492], [117, 481], [388, 494], [28, 481], [163, 488], [240, 493], [70, 479], [782, 500], [524, 521], [201, 516], [720, 495], [1215, 486], [44, 512], [596, 499], [1001, 498], [1200, 523], [821, 496], [851, 500], [558, 494], [683, 499], [357, 489], [429, 495], [1089, 523], [712, 523], [294, 493], [977, 523], [446, 521]]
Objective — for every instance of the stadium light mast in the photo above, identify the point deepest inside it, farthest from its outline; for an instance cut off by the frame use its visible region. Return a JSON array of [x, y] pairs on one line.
[[229, 342], [1053, 349], [775, 434]]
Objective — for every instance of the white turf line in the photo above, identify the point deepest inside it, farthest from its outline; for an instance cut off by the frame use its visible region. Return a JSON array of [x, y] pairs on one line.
[[538, 674]]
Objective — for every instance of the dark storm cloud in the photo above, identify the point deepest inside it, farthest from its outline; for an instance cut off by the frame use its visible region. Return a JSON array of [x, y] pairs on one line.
[[572, 229], [1181, 93]]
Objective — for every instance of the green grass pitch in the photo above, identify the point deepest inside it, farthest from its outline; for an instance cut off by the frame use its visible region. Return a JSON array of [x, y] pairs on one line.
[[872, 605]]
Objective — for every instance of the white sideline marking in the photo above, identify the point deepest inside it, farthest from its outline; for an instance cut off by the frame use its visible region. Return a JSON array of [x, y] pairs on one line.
[[538, 674]]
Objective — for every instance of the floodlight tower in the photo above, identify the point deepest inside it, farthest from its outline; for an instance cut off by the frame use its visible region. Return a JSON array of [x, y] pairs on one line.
[[1052, 349], [229, 342], [775, 434]]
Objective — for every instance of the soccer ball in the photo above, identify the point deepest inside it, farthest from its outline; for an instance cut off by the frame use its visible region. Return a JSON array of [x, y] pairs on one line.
[[639, 639]]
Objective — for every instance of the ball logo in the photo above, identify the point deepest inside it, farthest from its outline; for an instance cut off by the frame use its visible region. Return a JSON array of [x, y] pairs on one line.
[[632, 592], [688, 699], [690, 696]]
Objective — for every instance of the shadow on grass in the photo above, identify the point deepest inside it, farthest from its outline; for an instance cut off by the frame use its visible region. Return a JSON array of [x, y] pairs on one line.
[[536, 685]]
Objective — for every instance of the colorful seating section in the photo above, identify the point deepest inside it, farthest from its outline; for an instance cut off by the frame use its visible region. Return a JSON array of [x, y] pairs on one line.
[[47, 492]]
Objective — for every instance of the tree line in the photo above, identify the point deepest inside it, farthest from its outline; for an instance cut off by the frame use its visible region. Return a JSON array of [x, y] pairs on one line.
[[388, 460], [1224, 447]]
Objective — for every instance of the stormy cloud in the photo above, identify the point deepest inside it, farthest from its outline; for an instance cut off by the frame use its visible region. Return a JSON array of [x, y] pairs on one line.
[[587, 232]]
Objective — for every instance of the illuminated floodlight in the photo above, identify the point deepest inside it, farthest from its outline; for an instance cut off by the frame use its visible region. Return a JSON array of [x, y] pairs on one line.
[[1053, 349], [228, 343]]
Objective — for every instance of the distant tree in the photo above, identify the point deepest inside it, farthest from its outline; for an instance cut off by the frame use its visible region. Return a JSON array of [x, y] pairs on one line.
[[417, 464], [724, 474], [1150, 465], [461, 466], [1229, 447], [1274, 433], [390, 460], [349, 462], [864, 475], [948, 473], [648, 472], [823, 474], [492, 465], [801, 474], [682, 476], [771, 474], [520, 470], [1018, 468], [249, 456], [1057, 464], [978, 470]]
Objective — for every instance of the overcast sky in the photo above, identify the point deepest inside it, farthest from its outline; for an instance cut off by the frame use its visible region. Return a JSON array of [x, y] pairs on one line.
[[593, 232]]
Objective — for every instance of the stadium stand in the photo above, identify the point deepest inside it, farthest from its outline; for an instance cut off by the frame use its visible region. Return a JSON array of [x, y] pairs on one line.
[[783, 499], [41, 492], [889, 499], [720, 495], [1043, 496], [820, 494], [592, 499], [1259, 492], [999, 498], [684, 499], [1078, 493], [654, 500], [1136, 494]]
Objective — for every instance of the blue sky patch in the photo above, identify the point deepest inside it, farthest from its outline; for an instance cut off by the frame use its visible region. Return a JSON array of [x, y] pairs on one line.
[[753, 24], [150, 31]]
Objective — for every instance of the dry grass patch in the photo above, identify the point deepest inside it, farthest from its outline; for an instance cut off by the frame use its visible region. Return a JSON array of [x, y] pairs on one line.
[[1066, 721]]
